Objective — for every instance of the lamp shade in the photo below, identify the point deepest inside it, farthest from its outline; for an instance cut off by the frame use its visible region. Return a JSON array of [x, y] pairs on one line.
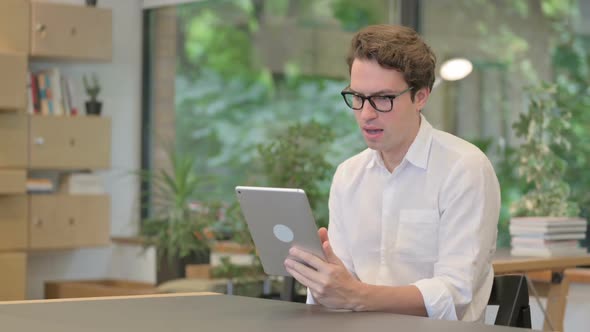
[[455, 69]]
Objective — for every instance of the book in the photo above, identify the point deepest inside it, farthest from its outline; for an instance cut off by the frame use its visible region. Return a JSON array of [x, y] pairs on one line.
[[515, 229], [30, 102], [560, 236], [548, 252], [82, 184], [48, 93], [543, 243], [43, 102], [549, 223], [55, 77], [35, 93], [544, 219], [39, 185], [66, 97]]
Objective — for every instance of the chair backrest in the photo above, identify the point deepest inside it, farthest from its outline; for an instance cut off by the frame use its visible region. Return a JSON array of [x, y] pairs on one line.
[[511, 294]]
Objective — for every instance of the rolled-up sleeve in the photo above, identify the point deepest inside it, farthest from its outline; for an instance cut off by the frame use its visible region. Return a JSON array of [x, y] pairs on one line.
[[437, 298], [469, 209]]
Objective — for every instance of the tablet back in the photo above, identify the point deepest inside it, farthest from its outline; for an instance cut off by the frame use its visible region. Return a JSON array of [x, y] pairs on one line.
[[278, 219]]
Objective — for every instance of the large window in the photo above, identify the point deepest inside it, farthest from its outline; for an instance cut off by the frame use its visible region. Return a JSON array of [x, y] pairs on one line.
[[229, 76], [513, 46]]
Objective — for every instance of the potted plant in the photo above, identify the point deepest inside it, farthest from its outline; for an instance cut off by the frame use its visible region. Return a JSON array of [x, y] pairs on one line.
[[180, 224], [297, 159], [93, 106], [547, 199]]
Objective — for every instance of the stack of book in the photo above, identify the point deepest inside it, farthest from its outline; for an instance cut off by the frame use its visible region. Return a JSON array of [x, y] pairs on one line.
[[81, 184], [39, 185], [50, 93], [547, 236]]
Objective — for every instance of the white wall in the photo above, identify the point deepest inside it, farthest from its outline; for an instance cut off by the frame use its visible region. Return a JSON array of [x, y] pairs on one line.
[[121, 96]]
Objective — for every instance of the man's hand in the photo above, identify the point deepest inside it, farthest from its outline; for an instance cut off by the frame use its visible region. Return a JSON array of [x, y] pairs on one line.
[[329, 281]]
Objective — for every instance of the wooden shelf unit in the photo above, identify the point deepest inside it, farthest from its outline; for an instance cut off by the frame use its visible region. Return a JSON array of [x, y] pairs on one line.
[[32, 30]]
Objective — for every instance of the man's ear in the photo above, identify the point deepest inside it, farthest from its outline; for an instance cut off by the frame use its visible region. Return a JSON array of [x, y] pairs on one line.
[[421, 97]]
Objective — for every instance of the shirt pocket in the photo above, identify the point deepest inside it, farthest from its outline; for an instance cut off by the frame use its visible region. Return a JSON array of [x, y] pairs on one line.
[[417, 234]]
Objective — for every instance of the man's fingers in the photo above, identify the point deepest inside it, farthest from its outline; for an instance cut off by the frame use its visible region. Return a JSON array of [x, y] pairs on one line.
[[323, 233], [304, 256], [330, 255], [303, 279], [308, 275]]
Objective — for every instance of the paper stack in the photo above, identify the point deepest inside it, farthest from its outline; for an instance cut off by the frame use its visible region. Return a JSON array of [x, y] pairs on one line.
[[82, 184], [547, 236], [39, 185]]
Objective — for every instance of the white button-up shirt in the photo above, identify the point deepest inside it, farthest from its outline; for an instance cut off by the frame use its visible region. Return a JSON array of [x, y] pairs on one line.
[[431, 223]]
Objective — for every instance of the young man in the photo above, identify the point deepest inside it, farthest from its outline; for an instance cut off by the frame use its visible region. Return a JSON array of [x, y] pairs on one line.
[[413, 218]]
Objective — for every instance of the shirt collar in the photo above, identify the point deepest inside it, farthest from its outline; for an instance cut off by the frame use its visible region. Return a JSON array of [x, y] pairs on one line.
[[420, 149], [375, 159], [417, 153]]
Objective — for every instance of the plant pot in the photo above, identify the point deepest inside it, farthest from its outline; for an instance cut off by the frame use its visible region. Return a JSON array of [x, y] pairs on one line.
[[176, 269], [198, 271], [93, 107], [91, 3]]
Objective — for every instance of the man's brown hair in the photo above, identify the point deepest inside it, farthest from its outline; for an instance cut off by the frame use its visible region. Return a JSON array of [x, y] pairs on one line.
[[396, 47]]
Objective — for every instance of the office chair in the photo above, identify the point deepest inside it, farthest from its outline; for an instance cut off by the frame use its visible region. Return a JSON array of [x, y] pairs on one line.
[[511, 294]]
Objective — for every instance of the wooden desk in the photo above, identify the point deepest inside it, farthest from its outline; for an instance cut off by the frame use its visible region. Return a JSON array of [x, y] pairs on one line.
[[557, 288], [209, 313]]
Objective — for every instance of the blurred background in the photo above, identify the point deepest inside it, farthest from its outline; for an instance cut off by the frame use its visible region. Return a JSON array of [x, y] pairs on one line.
[[227, 79]]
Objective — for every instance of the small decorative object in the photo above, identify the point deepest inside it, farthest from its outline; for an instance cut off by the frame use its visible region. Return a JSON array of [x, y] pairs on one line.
[[91, 3], [93, 106]]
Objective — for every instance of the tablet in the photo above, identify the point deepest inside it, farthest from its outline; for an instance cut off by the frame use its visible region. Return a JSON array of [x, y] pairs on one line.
[[278, 219]]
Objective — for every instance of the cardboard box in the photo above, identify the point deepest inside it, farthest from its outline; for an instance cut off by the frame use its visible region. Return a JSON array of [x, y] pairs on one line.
[[198, 271], [96, 288]]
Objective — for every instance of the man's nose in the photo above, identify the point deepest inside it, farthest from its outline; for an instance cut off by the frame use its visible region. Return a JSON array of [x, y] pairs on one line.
[[368, 111]]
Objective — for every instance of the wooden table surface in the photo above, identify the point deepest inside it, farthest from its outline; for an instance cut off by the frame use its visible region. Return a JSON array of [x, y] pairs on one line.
[[504, 263], [555, 289], [223, 313]]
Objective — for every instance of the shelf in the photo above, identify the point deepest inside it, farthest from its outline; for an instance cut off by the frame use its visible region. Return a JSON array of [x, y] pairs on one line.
[[44, 30]]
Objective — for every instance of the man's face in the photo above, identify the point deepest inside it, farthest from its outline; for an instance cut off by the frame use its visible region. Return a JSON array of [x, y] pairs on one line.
[[390, 132]]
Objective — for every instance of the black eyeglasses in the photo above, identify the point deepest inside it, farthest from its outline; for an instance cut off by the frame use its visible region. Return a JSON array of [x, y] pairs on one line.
[[381, 103]]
